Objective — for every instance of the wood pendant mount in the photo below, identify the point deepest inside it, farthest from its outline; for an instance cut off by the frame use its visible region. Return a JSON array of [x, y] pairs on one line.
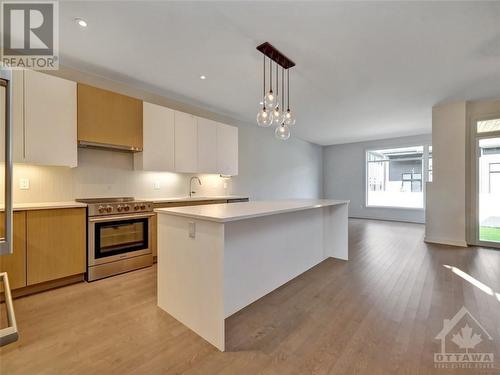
[[270, 51]]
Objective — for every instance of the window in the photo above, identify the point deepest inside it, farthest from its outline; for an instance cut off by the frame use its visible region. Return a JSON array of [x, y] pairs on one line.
[[494, 178], [395, 177], [488, 126]]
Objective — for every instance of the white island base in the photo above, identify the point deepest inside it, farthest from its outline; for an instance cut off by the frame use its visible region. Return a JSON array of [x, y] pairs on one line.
[[214, 260]]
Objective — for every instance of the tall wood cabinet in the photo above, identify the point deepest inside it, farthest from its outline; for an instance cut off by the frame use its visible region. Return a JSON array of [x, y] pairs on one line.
[[108, 118]]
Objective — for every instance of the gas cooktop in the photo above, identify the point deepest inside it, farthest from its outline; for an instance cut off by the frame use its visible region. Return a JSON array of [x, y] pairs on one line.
[[115, 205]]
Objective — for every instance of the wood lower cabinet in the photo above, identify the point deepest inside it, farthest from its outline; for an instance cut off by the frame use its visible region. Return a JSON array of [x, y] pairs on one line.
[[56, 244], [15, 263]]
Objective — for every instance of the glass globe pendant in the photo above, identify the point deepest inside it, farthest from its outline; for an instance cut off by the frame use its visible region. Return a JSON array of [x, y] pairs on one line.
[[282, 132], [275, 104], [264, 118], [289, 118], [277, 115], [270, 99]]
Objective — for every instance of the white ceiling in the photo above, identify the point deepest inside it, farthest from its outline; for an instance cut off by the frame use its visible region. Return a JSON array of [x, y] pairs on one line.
[[365, 70]]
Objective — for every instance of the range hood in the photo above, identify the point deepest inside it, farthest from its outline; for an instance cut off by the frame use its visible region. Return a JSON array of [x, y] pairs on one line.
[[108, 146]]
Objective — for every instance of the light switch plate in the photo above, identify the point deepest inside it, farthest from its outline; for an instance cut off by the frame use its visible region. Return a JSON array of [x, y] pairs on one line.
[[24, 183], [156, 185], [192, 230]]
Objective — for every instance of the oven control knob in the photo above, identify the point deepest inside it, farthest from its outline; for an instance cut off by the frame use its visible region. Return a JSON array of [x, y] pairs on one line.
[[119, 208], [137, 207], [109, 209], [101, 209], [126, 208], [143, 206]]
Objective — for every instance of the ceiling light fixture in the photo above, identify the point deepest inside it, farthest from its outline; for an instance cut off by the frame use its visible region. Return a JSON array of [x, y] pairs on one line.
[[81, 22], [271, 111], [203, 77]]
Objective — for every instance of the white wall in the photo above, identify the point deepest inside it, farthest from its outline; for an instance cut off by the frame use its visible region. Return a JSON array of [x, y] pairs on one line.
[[445, 216], [344, 177], [268, 168], [272, 169]]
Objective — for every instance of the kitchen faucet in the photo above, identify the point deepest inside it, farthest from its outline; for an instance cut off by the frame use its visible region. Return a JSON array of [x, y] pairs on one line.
[[191, 191]]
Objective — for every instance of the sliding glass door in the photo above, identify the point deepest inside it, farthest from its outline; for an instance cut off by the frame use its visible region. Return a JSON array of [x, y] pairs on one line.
[[488, 183]]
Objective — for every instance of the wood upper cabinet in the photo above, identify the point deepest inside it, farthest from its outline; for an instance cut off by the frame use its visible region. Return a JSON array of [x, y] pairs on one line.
[[186, 148], [158, 133], [207, 146], [108, 118], [15, 263], [56, 244], [227, 150], [44, 119]]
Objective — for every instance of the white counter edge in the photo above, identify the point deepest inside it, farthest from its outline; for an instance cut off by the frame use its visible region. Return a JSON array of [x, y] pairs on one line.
[[175, 211]]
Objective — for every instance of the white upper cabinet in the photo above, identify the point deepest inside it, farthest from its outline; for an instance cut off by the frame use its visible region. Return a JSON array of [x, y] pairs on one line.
[[158, 139], [186, 145], [227, 150], [207, 146], [45, 129]]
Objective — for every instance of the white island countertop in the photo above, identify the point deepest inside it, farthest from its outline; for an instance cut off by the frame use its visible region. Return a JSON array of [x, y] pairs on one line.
[[223, 213]]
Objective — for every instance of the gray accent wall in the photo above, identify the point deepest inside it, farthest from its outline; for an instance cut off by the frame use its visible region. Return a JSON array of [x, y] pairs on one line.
[[344, 174]]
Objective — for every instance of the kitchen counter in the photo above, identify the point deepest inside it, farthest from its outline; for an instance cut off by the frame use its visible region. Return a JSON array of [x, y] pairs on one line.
[[214, 260], [223, 213], [45, 205], [192, 199]]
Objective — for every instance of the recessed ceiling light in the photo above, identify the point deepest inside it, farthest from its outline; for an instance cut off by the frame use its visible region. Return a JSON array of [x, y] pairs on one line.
[[203, 77], [81, 22]]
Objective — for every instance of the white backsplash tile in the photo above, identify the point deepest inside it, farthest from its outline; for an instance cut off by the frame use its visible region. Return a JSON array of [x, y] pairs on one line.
[[103, 173]]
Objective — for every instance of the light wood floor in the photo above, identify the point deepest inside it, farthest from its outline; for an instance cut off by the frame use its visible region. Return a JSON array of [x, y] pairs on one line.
[[376, 314]]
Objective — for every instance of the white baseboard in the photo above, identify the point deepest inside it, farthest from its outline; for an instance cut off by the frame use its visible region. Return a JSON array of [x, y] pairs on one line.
[[445, 241]]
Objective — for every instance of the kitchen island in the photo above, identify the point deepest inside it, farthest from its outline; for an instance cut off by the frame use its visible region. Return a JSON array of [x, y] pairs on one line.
[[215, 260]]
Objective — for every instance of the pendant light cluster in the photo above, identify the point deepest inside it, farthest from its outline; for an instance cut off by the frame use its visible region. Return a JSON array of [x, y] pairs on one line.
[[273, 112]]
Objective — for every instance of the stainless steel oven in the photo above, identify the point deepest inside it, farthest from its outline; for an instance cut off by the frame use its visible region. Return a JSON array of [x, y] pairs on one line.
[[119, 237]]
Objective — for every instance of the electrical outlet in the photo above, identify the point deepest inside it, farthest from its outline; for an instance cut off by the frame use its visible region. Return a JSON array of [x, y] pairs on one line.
[[225, 185], [156, 185], [192, 230], [24, 183]]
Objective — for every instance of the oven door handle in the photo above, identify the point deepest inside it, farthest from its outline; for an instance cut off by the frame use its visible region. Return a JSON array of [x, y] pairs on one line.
[[123, 217]]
